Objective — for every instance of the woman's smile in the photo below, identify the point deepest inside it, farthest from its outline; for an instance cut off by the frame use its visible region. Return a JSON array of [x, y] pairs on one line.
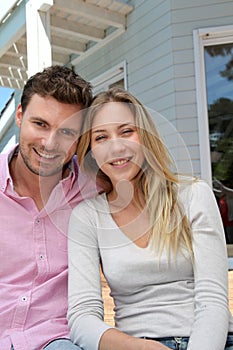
[[121, 162]]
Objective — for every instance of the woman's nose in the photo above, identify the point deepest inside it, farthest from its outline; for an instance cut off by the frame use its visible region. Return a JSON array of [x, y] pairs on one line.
[[117, 145]]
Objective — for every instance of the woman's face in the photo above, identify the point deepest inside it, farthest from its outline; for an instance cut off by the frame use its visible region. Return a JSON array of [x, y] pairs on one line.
[[115, 142]]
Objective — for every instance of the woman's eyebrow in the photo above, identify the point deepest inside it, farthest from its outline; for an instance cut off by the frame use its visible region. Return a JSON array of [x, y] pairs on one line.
[[126, 124], [119, 127], [95, 131]]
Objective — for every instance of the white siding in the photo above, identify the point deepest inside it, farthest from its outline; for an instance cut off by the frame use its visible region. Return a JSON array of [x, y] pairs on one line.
[[9, 132]]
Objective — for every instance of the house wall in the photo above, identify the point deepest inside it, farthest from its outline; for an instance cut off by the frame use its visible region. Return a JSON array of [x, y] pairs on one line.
[[158, 49], [9, 132]]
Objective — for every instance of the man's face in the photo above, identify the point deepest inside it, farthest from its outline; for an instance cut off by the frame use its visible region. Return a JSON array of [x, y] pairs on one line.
[[49, 131]]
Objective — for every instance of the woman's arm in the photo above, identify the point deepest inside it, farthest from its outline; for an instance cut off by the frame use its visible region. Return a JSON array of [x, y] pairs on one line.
[[85, 311], [85, 304], [113, 339], [211, 314]]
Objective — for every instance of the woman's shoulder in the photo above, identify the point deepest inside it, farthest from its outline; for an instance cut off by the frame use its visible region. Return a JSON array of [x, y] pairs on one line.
[[194, 189], [198, 200], [193, 184], [99, 201]]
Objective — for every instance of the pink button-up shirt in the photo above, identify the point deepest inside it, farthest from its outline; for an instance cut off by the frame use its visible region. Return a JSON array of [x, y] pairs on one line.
[[33, 261]]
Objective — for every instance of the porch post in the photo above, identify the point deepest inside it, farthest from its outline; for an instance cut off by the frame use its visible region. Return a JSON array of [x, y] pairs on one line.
[[39, 51]]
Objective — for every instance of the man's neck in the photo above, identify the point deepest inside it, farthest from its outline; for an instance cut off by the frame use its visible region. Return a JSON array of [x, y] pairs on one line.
[[27, 184]]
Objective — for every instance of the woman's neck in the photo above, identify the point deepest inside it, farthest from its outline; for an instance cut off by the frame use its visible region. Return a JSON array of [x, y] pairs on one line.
[[125, 194], [128, 210]]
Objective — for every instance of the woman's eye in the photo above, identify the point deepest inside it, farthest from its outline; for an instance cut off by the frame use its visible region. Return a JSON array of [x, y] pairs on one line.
[[127, 131], [100, 138]]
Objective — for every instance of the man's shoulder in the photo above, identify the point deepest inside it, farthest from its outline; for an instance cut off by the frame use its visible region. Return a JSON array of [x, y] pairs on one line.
[[4, 165], [85, 184], [5, 156]]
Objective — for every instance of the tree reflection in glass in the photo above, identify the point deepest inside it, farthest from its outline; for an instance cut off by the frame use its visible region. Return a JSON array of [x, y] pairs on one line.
[[219, 83]]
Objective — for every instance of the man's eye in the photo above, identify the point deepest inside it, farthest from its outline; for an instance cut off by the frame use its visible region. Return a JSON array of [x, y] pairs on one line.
[[68, 132], [41, 124]]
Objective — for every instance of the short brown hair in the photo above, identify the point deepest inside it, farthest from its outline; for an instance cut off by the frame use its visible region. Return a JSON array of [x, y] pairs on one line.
[[60, 82]]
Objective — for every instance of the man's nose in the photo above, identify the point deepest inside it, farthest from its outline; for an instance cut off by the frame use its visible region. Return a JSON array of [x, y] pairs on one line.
[[50, 141]]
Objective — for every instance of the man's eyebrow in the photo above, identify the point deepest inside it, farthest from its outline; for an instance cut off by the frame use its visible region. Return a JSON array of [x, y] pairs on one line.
[[67, 127], [34, 117], [76, 131]]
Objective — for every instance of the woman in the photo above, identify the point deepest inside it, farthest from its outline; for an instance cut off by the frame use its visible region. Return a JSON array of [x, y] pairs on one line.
[[157, 236]]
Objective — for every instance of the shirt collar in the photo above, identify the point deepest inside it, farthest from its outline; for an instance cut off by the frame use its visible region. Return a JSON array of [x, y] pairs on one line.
[[5, 176], [73, 175]]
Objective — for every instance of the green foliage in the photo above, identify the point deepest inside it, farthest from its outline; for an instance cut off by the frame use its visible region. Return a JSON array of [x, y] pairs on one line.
[[221, 125], [223, 50]]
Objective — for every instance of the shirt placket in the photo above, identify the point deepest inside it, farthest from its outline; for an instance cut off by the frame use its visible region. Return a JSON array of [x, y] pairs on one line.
[[24, 300], [40, 249], [21, 310]]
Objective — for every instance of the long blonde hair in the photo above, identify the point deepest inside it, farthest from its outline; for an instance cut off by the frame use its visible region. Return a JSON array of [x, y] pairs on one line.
[[157, 182]]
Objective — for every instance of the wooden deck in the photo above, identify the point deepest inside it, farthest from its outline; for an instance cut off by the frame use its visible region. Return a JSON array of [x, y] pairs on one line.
[[108, 303], [230, 279]]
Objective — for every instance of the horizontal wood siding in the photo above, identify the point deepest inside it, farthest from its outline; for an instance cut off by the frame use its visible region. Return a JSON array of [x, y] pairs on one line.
[[146, 45], [11, 131]]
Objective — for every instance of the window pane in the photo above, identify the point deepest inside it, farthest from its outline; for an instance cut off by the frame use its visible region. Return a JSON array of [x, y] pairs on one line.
[[219, 82], [119, 84]]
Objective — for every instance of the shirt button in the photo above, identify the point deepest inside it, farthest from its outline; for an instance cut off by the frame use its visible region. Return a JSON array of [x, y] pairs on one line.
[[41, 257], [38, 221], [24, 299]]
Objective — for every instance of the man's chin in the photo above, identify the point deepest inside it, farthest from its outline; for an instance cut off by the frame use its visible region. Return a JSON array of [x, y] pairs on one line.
[[46, 173]]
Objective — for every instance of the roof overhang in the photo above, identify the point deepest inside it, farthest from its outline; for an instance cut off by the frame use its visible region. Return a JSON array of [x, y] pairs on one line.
[[77, 29]]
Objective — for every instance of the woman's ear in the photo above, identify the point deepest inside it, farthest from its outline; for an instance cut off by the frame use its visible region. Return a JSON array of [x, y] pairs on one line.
[[19, 115]]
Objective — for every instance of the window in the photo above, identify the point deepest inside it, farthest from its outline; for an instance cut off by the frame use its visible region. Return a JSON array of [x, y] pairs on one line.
[[214, 72], [113, 77]]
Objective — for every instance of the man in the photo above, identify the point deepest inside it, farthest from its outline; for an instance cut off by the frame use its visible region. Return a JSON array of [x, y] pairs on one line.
[[40, 184]]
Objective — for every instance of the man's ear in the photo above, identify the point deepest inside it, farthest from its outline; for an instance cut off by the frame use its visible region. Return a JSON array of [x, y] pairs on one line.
[[18, 115]]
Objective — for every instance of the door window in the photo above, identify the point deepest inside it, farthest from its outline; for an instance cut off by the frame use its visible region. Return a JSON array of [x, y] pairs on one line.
[[219, 90]]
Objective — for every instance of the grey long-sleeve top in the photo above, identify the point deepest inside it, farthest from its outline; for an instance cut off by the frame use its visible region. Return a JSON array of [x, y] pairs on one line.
[[153, 298]]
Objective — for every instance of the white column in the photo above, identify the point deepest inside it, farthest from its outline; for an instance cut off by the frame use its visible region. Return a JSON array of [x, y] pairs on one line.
[[39, 51]]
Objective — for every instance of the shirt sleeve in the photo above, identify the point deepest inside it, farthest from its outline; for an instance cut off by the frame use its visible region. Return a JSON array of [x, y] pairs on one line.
[[211, 312], [85, 304]]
